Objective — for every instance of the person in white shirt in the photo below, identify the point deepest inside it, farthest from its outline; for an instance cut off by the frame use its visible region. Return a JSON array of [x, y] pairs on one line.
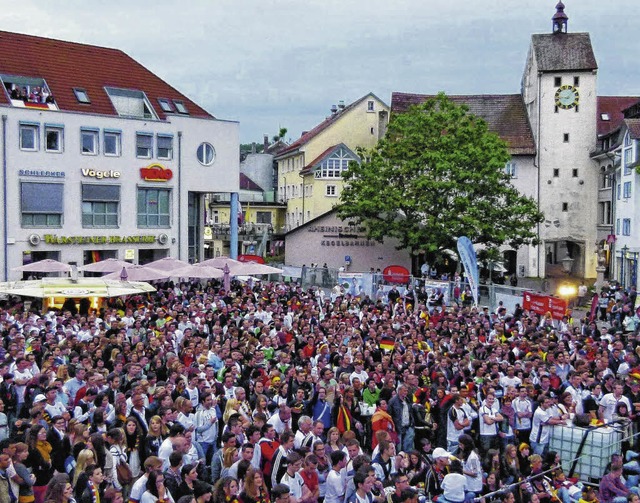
[[299, 492], [336, 480], [524, 412], [540, 431], [610, 401], [490, 418]]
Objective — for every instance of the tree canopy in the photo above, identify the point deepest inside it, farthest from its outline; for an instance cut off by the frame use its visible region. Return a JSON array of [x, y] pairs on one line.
[[438, 174]]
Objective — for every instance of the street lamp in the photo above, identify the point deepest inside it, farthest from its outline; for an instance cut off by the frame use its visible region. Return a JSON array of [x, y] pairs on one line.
[[623, 256], [567, 264]]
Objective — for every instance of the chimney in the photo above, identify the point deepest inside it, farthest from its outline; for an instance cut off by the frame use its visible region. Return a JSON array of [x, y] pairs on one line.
[[265, 142], [253, 147], [341, 104], [334, 109]]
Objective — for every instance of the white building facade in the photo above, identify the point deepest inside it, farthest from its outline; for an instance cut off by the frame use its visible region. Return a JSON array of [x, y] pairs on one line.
[[115, 165]]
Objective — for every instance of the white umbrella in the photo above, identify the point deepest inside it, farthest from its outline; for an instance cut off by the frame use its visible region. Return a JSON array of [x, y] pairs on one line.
[[46, 265], [166, 264], [197, 271], [251, 268], [107, 265], [67, 288], [138, 273]]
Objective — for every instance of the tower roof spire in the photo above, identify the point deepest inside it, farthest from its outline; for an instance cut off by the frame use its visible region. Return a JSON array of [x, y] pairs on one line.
[[560, 19]]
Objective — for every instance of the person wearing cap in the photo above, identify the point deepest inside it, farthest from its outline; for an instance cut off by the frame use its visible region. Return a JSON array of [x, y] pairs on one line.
[[436, 473]]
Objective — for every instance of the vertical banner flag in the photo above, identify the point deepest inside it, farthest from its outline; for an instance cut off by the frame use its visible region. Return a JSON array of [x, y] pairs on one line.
[[470, 264]]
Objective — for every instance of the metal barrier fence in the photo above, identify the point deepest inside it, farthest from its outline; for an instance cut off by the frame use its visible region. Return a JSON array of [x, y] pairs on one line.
[[374, 285]]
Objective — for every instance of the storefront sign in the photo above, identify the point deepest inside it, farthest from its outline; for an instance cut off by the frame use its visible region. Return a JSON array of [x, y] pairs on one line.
[[156, 173], [99, 174], [54, 239], [543, 304], [41, 172], [346, 242], [340, 229], [129, 254]]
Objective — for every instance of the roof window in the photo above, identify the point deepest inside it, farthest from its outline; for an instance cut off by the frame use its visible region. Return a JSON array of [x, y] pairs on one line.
[[165, 104], [179, 104], [130, 103], [28, 92], [81, 95]]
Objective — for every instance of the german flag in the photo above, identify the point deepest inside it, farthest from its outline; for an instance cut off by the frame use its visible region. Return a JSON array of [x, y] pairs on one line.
[[387, 343]]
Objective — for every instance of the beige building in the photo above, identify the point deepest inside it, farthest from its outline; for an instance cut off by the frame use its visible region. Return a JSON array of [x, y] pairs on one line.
[[310, 169], [328, 240]]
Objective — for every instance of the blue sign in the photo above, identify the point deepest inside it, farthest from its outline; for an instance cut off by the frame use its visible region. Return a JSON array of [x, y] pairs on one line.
[[470, 264], [347, 258]]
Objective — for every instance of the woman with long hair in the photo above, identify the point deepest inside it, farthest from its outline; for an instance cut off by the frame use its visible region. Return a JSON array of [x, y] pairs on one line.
[[156, 490], [255, 490], [78, 436], [231, 409], [104, 459], [153, 440], [334, 442], [509, 465], [59, 490], [86, 457], [262, 403], [471, 466], [189, 473], [25, 486], [132, 441], [225, 491], [229, 456], [39, 460]]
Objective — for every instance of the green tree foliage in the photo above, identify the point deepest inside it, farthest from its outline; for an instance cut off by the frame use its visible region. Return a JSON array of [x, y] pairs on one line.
[[438, 174]]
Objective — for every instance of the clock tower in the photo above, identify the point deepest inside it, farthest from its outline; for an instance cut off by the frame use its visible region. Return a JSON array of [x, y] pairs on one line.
[[559, 92]]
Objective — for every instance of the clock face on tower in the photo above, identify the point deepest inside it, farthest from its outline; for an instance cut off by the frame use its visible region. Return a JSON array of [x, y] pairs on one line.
[[567, 97]]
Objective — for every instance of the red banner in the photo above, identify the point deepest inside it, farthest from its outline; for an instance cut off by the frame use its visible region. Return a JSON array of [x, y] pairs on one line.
[[254, 259], [594, 308], [543, 304]]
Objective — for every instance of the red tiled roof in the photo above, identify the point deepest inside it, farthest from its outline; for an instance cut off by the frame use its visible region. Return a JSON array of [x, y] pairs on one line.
[[65, 65], [613, 106], [247, 183], [505, 115], [634, 128]]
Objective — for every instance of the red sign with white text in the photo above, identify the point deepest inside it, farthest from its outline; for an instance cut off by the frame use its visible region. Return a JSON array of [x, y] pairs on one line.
[[156, 173], [396, 274], [543, 304], [253, 259]]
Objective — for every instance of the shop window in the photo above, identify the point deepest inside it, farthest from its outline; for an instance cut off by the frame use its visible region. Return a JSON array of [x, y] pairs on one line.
[[154, 207], [41, 204], [100, 205]]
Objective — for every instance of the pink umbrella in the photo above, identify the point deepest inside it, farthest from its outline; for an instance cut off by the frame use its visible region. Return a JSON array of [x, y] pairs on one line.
[[138, 273], [197, 271], [220, 262], [166, 264], [253, 268], [46, 265], [107, 265]]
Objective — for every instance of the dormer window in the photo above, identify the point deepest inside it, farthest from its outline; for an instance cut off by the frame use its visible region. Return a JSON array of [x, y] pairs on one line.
[[180, 107], [28, 92], [130, 103]]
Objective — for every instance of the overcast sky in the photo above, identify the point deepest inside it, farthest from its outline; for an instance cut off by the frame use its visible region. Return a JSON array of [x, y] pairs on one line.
[[283, 63]]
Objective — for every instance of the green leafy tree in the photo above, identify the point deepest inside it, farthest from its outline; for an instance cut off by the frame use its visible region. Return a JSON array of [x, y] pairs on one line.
[[438, 174]]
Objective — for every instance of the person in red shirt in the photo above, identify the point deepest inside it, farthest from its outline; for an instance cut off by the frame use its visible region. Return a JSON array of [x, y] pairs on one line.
[[309, 474]]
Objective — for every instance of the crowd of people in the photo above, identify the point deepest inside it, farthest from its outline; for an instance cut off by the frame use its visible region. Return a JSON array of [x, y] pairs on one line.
[[271, 393]]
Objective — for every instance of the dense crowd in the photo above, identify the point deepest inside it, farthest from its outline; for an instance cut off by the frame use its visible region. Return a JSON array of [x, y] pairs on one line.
[[271, 393]]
